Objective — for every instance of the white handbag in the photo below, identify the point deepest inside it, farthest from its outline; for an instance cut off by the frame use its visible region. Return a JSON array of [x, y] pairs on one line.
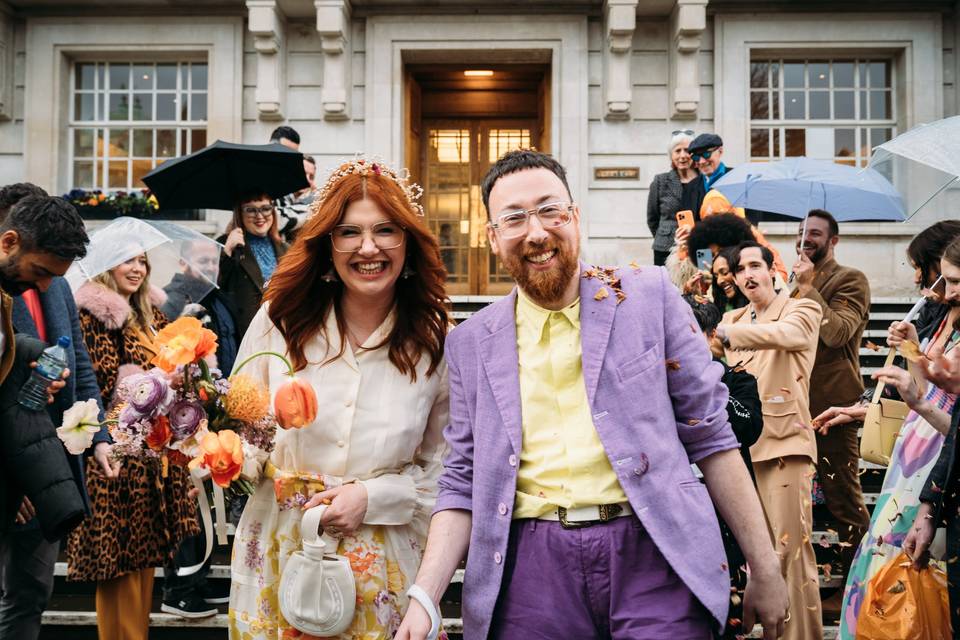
[[318, 592]]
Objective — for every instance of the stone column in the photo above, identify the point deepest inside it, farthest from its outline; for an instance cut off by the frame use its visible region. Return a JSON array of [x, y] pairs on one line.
[[687, 24], [333, 25], [620, 21], [7, 55], [267, 24]]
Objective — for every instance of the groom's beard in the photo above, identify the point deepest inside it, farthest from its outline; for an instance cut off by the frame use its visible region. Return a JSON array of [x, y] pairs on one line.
[[543, 287]]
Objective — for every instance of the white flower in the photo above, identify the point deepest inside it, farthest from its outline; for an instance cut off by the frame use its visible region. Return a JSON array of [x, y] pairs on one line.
[[79, 425], [190, 447]]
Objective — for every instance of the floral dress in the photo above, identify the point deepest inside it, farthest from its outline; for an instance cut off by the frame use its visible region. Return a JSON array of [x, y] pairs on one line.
[[915, 452], [375, 426]]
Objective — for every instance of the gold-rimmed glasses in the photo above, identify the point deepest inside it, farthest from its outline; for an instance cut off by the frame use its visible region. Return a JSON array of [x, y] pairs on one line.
[[551, 215]]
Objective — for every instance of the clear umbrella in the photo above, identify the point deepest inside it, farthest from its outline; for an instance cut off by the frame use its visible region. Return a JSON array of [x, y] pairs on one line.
[[923, 164], [179, 256]]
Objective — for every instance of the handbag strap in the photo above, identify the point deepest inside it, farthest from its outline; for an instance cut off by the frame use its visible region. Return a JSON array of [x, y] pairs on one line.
[[878, 392], [310, 526]]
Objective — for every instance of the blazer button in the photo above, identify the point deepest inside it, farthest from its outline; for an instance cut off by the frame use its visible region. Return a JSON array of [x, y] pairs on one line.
[[502, 509], [497, 557], [512, 460]]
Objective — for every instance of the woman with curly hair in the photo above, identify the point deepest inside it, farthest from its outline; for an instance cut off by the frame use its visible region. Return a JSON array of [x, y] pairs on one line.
[[358, 307]]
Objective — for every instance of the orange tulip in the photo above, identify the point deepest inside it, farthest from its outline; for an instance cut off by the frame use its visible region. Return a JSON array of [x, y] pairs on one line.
[[160, 434], [183, 342], [295, 404], [222, 453]]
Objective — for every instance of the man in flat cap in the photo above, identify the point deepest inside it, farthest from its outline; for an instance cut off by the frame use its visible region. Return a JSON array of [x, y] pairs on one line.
[[706, 151]]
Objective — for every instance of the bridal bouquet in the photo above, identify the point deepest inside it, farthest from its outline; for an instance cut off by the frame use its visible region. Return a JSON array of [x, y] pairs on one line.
[[185, 412]]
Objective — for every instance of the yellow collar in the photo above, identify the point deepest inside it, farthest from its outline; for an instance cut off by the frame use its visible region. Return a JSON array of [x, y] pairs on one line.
[[532, 318]]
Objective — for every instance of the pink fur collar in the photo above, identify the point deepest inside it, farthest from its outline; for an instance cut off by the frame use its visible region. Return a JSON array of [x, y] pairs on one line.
[[108, 306]]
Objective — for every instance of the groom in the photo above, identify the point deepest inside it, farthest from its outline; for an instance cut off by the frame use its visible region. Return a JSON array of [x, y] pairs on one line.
[[576, 405]]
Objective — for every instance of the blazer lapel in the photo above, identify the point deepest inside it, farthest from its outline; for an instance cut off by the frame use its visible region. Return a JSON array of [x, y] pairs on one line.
[[249, 264], [596, 322], [22, 320], [9, 345], [498, 353]]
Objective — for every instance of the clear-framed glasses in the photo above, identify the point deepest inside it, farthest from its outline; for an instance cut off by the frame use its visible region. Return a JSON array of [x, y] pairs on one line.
[[348, 238], [686, 132], [250, 211], [551, 215]]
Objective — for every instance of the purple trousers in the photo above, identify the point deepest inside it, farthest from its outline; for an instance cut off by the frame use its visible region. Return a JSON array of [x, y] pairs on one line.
[[604, 581]]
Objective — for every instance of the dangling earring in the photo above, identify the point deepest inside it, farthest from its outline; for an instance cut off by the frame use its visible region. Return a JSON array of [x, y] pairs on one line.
[[407, 271], [330, 276]]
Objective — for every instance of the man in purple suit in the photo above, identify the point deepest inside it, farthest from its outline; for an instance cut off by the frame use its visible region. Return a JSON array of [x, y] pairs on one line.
[[577, 404]]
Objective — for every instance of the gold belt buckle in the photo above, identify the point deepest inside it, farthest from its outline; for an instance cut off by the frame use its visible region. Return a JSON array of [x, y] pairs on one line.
[[609, 512]]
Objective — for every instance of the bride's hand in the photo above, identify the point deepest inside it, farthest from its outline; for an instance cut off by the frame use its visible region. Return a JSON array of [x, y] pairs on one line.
[[348, 506]]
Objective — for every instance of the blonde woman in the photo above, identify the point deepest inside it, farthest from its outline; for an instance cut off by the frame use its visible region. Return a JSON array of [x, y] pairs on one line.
[[138, 516]]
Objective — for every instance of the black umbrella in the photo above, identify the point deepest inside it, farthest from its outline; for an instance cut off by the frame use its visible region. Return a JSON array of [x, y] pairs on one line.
[[218, 175]]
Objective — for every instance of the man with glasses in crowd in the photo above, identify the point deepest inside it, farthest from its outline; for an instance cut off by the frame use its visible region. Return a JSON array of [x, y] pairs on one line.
[[577, 502], [706, 151]]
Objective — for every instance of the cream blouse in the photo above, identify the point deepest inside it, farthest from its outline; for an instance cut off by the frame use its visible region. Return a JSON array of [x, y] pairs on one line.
[[373, 425]]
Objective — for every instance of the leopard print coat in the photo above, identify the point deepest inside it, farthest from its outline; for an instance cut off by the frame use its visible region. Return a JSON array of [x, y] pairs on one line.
[[140, 518]]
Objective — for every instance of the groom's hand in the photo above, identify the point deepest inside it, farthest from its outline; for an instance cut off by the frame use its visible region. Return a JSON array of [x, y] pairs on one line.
[[765, 601], [416, 624]]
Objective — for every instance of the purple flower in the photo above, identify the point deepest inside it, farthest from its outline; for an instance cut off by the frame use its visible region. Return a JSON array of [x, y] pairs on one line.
[[149, 393], [185, 417]]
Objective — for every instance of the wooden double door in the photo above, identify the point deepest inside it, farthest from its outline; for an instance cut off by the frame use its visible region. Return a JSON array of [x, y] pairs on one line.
[[455, 156]]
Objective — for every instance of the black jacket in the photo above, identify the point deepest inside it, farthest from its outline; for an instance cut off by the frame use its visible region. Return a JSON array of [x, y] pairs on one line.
[[33, 460], [744, 408], [184, 294], [241, 283]]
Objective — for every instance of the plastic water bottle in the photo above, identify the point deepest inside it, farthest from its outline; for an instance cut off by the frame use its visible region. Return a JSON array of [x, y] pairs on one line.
[[50, 366]]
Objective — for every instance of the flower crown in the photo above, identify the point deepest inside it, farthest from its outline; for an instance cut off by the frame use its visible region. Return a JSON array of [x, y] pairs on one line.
[[366, 168]]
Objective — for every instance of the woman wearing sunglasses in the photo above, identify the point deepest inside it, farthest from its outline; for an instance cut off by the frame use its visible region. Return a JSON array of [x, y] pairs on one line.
[[252, 248], [670, 192]]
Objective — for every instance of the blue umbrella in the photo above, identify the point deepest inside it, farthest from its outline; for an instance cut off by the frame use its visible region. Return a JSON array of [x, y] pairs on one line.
[[794, 186]]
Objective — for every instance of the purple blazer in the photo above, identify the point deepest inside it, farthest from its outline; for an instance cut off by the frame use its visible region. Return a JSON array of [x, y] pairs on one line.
[[657, 404]]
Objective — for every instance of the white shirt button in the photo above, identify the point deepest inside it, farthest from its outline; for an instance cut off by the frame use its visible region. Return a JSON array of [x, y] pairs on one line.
[[497, 557], [502, 509], [348, 402], [512, 460], [341, 443]]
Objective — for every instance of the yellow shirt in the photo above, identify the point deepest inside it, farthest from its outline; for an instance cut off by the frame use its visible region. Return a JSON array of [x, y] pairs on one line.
[[562, 462]]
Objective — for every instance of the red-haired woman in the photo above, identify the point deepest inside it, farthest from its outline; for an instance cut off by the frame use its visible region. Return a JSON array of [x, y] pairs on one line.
[[358, 306]]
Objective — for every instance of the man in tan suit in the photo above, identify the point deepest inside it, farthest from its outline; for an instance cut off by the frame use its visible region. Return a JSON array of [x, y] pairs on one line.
[[775, 339], [843, 295]]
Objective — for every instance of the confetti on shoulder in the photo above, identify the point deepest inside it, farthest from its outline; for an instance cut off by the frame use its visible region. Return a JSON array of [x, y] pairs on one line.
[[601, 294], [633, 265]]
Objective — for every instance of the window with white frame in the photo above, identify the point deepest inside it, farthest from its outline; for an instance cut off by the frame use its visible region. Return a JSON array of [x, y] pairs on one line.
[[835, 109], [126, 118]]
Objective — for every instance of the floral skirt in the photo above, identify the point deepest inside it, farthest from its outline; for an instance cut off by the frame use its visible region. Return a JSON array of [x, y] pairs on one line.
[[137, 522], [384, 561]]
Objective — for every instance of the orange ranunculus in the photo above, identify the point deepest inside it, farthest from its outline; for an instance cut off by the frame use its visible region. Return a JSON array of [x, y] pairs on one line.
[[222, 453], [295, 404], [160, 434], [183, 342]]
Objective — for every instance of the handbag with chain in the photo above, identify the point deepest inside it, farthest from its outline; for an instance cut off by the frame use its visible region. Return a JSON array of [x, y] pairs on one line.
[[882, 424], [318, 591]]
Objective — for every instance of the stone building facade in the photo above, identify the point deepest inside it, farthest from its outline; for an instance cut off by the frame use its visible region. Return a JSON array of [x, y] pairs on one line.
[[94, 93]]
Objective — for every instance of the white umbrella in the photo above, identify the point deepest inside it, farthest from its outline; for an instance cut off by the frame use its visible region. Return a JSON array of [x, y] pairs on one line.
[[170, 247], [921, 162]]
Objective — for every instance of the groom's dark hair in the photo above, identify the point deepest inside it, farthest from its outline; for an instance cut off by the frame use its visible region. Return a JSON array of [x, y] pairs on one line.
[[518, 160]]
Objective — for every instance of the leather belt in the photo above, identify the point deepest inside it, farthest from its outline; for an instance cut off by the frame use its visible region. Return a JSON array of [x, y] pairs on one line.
[[588, 516]]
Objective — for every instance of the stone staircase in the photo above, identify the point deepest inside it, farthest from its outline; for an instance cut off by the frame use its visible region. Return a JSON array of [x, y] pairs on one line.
[[71, 613]]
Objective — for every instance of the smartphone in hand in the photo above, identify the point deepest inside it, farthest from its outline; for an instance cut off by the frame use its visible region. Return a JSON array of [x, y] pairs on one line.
[[704, 259], [685, 218]]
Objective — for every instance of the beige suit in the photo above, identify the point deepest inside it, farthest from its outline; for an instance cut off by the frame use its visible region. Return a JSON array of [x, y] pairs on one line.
[[779, 348]]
